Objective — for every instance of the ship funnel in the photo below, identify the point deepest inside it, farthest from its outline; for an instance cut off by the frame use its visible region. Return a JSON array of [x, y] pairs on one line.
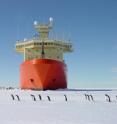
[[44, 29]]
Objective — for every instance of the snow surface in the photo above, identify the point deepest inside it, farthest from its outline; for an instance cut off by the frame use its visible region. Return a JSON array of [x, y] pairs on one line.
[[76, 110]]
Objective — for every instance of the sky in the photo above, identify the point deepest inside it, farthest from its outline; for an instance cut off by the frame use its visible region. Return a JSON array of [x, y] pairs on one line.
[[90, 24]]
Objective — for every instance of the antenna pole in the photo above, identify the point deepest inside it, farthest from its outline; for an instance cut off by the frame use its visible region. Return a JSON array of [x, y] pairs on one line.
[[42, 52]]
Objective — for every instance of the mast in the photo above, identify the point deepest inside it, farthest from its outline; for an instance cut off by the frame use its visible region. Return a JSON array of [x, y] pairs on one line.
[[43, 30]]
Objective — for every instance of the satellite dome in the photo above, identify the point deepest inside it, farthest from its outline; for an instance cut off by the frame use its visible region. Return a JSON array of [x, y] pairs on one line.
[[35, 22], [50, 19]]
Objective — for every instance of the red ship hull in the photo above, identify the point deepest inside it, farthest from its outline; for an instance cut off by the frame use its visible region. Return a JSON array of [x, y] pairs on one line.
[[43, 74]]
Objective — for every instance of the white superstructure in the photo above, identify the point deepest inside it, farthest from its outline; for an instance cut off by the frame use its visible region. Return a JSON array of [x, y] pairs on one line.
[[51, 49]]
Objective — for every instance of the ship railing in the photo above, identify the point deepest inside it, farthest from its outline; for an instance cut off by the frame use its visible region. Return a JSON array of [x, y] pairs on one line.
[[67, 46], [37, 39]]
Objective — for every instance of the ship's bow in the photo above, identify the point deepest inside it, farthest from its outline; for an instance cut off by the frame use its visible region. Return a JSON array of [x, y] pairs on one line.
[[42, 74]]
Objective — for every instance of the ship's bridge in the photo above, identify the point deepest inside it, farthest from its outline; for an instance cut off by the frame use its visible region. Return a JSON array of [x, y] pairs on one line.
[[51, 49]]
